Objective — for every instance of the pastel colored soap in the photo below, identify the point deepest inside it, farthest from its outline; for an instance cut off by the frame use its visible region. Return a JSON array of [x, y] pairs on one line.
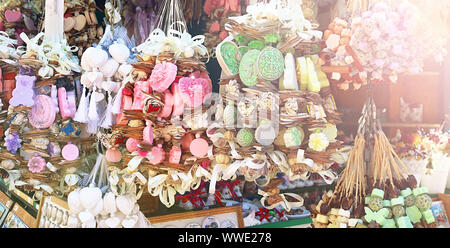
[[199, 147], [70, 152], [247, 71]]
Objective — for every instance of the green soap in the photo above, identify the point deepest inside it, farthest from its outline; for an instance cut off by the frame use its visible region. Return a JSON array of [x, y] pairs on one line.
[[376, 203], [247, 71], [244, 137], [367, 200], [419, 191], [270, 64], [398, 210], [404, 222], [229, 51], [384, 212], [243, 50], [428, 216], [380, 219], [406, 192], [414, 214], [293, 137], [256, 44], [377, 193], [389, 223], [423, 201], [398, 201], [241, 40], [387, 203], [410, 200]]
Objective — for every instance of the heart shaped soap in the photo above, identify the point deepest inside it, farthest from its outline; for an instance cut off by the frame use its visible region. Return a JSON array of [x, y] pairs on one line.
[[69, 23], [125, 203], [90, 196], [227, 53], [12, 15], [80, 22]]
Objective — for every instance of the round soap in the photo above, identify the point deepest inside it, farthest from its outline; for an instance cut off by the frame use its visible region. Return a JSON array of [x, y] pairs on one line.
[[270, 64], [247, 71], [43, 113], [293, 137], [376, 203], [410, 200], [423, 201], [70, 152], [199, 147], [244, 137], [132, 144]]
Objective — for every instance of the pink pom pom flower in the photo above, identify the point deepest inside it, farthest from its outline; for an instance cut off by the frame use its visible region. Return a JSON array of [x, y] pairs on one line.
[[163, 76]]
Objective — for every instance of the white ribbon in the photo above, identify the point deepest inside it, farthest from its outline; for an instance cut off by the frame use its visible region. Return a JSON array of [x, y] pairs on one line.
[[285, 203]]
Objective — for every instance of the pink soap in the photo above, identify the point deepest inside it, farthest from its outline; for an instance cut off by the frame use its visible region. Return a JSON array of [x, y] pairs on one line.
[[43, 113], [132, 144], [168, 104], [158, 155], [199, 147], [175, 155], [70, 152], [12, 15], [178, 104], [148, 134]]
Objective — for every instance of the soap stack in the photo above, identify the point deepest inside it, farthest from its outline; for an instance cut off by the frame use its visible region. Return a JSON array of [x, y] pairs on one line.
[[278, 112]]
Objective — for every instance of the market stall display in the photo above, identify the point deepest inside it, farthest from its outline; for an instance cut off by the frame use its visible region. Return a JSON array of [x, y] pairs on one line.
[[113, 122]]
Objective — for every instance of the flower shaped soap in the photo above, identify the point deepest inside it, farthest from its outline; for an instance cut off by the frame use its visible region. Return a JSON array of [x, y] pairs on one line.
[[163, 76], [36, 164]]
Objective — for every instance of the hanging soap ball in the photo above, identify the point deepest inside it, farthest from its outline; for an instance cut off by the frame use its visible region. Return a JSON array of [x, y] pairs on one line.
[[113, 155], [85, 65], [97, 58], [125, 69], [265, 134], [109, 68], [244, 137], [119, 52], [293, 137]]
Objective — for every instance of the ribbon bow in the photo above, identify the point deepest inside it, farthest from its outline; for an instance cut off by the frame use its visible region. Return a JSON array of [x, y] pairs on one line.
[[285, 203]]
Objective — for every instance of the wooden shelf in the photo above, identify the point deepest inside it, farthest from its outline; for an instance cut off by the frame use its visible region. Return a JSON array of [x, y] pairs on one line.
[[399, 124]]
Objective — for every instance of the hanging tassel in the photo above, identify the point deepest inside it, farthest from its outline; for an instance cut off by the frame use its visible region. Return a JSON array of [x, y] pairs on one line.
[[93, 115], [117, 102], [108, 117], [83, 108], [92, 127]]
